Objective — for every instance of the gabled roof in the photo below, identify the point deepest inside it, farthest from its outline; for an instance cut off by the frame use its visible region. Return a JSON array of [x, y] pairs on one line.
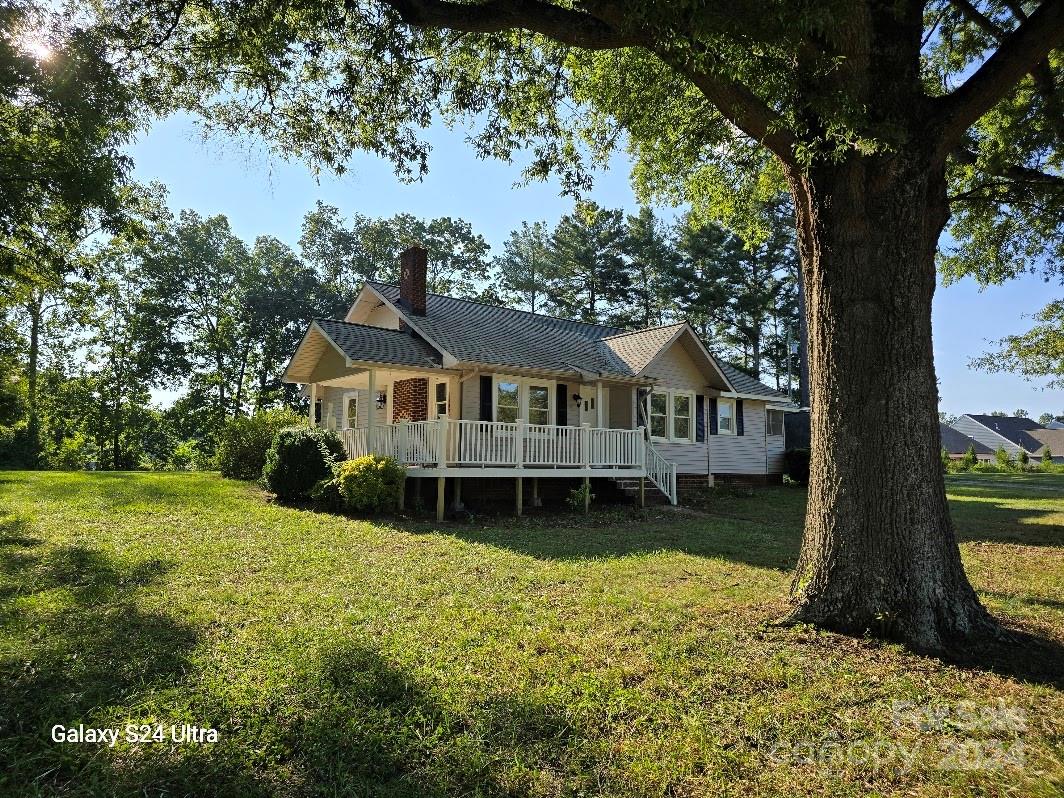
[[634, 350], [1053, 438], [956, 442], [360, 342], [1013, 428], [462, 330], [478, 333]]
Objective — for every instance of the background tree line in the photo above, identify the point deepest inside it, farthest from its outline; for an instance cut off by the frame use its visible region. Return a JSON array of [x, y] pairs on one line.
[[155, 300]]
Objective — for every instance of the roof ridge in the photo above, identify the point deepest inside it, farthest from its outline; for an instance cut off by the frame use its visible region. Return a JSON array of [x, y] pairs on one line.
[[513, 310], [644, 330], [355, 324]]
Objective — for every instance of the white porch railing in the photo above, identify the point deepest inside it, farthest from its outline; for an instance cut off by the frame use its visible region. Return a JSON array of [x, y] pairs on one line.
[[501, 444], [661, 472]]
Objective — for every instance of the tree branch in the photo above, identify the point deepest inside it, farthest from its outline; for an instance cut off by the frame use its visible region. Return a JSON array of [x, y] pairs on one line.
[[1016, 172], [560, 24], [736, 102], [1019, 53]]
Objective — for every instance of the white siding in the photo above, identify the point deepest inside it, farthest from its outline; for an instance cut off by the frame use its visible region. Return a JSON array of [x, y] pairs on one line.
[[675, 368], [471, 399], [741, 454], [987, 437], [332, 406], [383, 316], [775, 446]]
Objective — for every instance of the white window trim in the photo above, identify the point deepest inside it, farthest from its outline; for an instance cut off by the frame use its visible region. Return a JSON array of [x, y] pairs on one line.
[[522, 396], [670, 410], [768, 426], [343, 407], [731, 403], [432, 396]]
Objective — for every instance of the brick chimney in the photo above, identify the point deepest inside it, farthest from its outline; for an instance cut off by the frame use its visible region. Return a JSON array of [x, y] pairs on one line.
[[413, 264]]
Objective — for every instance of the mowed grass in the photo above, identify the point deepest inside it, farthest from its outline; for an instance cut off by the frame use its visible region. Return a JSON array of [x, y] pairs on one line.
[[632, 653]]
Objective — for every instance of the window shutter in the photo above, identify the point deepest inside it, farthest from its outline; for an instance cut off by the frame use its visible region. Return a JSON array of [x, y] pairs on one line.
[[486, 387], [712, 415], [561, 402], [739, 417], [700, 419]]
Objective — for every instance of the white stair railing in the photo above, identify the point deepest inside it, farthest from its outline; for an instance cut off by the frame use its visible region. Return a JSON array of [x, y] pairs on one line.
[[660, 471]]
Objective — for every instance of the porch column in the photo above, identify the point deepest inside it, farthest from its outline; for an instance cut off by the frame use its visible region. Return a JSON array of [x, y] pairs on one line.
[[600, 415], [635, 406], [371, 418], [313, 391]]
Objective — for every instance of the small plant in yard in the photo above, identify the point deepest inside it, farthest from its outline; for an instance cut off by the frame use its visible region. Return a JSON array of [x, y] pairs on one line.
[[246, 439], [1002, 458], [1022, 459], [1047, 459], [969, 460], [580, 497], [298, 459], [370, 484], [944, 456]]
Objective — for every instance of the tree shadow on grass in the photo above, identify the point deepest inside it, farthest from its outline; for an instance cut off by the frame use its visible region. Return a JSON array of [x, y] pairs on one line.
[[78, 646]]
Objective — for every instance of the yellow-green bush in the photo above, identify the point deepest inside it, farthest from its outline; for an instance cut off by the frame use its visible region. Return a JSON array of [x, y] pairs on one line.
[[371, 483]]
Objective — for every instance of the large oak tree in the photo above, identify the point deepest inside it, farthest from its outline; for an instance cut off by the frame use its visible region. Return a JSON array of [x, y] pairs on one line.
[[882, 118]]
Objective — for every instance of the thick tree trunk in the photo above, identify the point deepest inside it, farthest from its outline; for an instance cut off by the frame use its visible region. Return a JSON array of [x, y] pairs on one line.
[[879, 552]]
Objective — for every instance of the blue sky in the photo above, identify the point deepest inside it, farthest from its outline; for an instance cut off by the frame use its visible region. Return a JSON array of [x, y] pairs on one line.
[[263, 195]]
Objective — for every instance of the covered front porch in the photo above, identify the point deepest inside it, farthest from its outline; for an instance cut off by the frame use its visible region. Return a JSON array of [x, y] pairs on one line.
[[416, 417]]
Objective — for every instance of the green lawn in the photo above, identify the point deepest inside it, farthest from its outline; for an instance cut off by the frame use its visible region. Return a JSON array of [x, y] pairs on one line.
[[629, 654]]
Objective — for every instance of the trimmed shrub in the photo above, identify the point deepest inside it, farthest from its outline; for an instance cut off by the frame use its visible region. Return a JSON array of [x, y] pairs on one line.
[[796, 465], [298, 459], [245, 440], [970, 459], [371, 483], [1047, 458], [1022, 459]]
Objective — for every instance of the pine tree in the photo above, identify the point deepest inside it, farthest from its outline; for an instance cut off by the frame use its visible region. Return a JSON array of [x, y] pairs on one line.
[[969, 459], [590, 275], [652, 257], [524, 268]]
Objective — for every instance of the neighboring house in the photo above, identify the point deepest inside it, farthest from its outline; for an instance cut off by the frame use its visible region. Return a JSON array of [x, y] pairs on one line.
[[460, 389], [956, 444], [1012, 433]]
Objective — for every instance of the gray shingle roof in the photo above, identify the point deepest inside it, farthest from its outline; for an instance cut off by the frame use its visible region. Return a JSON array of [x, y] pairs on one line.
[[744, 383], [956, 442], [1013, 428], [380, 345], [480, 333], [634, 350]]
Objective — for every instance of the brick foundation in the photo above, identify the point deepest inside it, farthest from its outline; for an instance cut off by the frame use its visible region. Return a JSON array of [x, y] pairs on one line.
[[753, 480], [410, 399]]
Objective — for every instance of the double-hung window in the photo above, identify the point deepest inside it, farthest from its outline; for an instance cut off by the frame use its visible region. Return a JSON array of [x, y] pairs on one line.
[[682, 409], [671, 416], [507, 401], [350, 410], [538, 404], [726, 416], [659, 414], [775, 422], [439, 399]]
